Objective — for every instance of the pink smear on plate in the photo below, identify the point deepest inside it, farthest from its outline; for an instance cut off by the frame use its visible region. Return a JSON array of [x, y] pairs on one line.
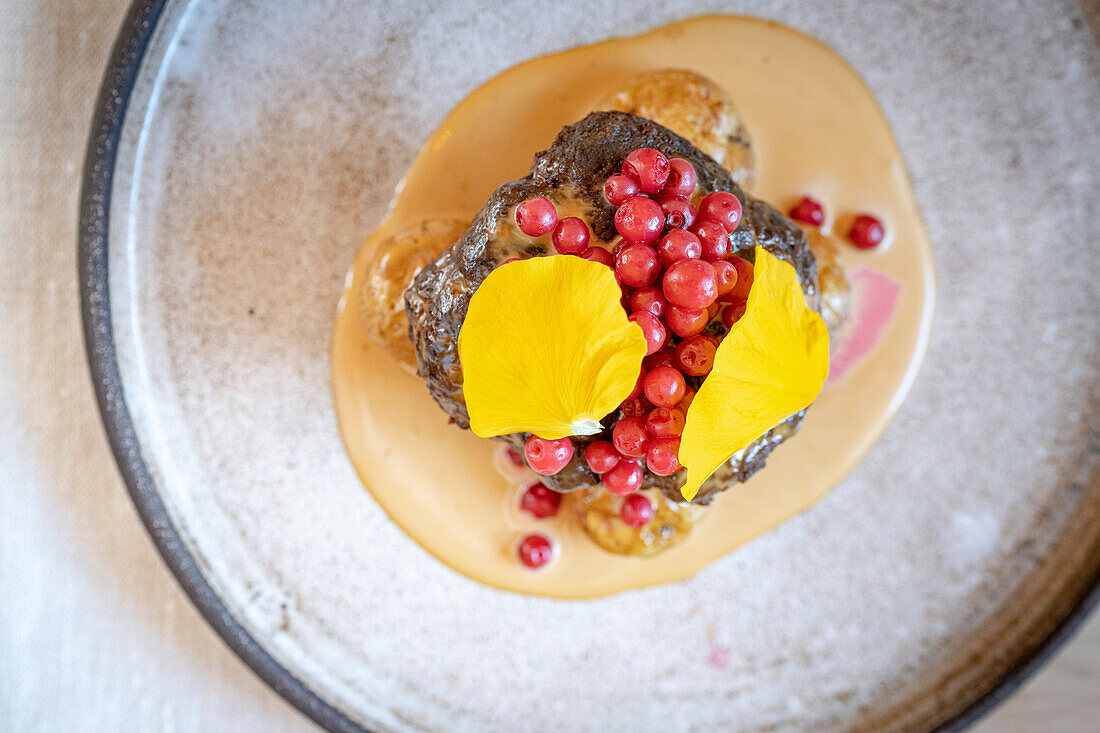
[[874, 299], [719, 657]]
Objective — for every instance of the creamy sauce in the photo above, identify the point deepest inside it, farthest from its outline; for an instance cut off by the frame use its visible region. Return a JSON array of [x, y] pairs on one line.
[[816, 129]]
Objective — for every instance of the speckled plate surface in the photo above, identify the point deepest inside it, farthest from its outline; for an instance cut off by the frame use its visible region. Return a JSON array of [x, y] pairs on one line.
[[242, 150]]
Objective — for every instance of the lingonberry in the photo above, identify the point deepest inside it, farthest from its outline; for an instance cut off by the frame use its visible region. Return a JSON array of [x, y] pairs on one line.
[[599, 254], [685, 403], [679, 244], [539, 501], [637, 511], [681, 178], [732, 313], [637, 265], [547, 457], [536, 217], [649, 167], [741, 288], [662, 456], [652, 328], [685, 322], [714, 239], [516, 457], [679, 213], [625, 478], [601, 456], [695, 355], [866, 232], [570, 236], [638, 385], [649, 299], [690, 284], [662, 422], [722, 207], [629, 436], [666, 356], [808, 211], [619, 188], [635, 406], [725, 275], [664, 386], [640, 220], [535, 550]]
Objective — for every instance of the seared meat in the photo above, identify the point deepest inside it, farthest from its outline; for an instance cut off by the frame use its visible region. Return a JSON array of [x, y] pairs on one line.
[[571, 173]]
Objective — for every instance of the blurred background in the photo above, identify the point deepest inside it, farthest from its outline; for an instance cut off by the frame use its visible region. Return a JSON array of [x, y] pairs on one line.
[[94, 632]]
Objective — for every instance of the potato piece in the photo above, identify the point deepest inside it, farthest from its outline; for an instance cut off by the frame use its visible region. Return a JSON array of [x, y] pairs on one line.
[[831, 280]]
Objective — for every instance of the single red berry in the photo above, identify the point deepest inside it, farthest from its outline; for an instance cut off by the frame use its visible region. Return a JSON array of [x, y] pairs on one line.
[[601, 456], [695, 354], [679, 213], [666, 356], [808, 211], [535, 550], [664, 386], [725, 275], [732, 313], [625, 478], [635, 406], [649, 299], [629, 436], [866, 232], [637, 265], [679, 244], [640, 220], [570, 236], [662, 456], [685, 322], [547, 457], [638, 385], [685, 403], [741, 288], [648, 167], [690, 284], [599, 254], [662, 422], [722, 207], [540, 501], [712, 310], [536, 217], [714, 238], [637, 511], [516, 457], [681, 178], [652, 328], [619, 188]]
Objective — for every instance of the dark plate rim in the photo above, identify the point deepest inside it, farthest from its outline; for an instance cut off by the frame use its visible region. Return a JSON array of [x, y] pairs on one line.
[[95, 200]]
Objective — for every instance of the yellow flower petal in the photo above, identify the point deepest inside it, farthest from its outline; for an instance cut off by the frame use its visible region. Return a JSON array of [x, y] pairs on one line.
[[546, 348], [772, 364]]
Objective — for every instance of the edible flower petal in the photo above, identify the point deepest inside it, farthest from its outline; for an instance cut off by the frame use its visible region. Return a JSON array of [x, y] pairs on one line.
[[773, 363], [546, 348]]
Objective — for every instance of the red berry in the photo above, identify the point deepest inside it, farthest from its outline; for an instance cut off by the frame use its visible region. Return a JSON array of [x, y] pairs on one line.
[[712, 310], [662, 456], [535, 551], [539, 501], [637, 511], [637, 385], [714, 238], [725, 275], [681, 178], [695, 354], [619, 188], [732, 313], [599, 254], [536, 217], [570, 236], [547, 457], [637, 265], [649, 299], [679, 244], [664, 386], [648, 167], [635, 406], [625, 478], [640, 220], [722, 207], [741, 288], [516, 457], [652, 328], [666, 356], [866, 232], [685, 321], [690, 284], [679, 213], [685, 403], [662, 422], [808, 211], [601, 456], [629, 436]]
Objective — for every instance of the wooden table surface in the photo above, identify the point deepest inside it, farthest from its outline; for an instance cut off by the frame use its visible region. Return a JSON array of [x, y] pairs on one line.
[[94, 633]]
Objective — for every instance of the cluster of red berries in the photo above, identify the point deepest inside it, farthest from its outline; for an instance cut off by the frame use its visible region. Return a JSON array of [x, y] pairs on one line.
[[866, 231]]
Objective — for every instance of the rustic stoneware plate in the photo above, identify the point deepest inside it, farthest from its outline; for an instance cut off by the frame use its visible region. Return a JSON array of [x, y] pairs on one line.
[[241, 151]]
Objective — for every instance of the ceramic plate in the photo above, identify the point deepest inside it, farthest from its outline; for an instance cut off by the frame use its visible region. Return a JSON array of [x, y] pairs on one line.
[[240, 153]]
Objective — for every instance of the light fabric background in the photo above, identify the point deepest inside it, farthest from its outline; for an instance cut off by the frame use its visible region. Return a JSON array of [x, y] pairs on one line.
[[94, 633]]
